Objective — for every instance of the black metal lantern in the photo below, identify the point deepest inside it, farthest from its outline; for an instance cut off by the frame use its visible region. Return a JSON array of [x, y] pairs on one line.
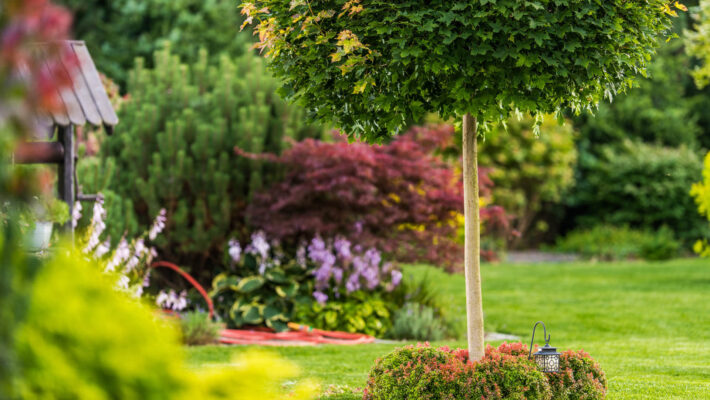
[[547, 358]]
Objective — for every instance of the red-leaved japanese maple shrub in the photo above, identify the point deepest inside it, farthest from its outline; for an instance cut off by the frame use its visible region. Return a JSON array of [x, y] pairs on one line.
[[580, 378], [402, 198]]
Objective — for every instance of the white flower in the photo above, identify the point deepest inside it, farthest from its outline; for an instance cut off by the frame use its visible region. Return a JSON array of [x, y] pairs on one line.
[[162, 299], [172, 300], [76, 214], [120, 255], [235, 250], [158, 224], [97, 226], [259, 246], [102, 249], [123, 282]]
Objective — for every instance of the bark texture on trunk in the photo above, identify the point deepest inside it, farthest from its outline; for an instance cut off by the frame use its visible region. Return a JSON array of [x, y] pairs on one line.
[[472, 255]]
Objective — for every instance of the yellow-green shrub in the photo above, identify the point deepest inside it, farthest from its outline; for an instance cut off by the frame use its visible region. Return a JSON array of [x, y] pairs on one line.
[[701, 192], [82, 339], [530, 173]]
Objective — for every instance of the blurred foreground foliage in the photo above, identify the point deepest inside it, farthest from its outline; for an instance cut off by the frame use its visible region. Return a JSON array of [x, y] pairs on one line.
[[81, 338]]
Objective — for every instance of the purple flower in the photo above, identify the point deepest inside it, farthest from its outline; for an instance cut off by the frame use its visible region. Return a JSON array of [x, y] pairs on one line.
[[372, 277], [320, 297], [353, 283], [373, 257], [359, 264], [338, 275], [317, 244], [396, 277], [342, 248]]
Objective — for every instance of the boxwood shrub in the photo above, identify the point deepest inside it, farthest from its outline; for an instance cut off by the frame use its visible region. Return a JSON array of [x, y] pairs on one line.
[[580, 378], [505, 372], [420, 372], [423, 372]]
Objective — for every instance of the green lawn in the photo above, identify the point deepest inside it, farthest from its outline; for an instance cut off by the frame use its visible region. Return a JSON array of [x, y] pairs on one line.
[[648, 324]]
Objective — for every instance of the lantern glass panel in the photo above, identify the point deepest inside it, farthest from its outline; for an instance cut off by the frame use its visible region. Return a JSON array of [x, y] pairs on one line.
[[548, 362]]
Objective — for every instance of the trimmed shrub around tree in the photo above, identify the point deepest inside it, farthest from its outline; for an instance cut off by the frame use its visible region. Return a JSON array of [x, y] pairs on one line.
[[423, 372], [580, 378], [505, 372], [420, 372]]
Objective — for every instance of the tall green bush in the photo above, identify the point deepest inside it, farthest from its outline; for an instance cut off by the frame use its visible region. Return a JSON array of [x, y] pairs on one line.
[[642, 186], [118, 31], [701, 193], [699, 44], [530, 172], [174, 149]]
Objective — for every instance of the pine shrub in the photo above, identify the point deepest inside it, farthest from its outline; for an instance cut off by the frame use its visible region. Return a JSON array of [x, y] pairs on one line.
[[174, 150]]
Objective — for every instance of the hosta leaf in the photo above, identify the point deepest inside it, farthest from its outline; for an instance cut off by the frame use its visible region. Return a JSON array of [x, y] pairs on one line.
[[271, 313], [278, 326], [221, 282], [331, 318], [251, 315], [249, 284], [276, 275], [366, 310], [287, 291]]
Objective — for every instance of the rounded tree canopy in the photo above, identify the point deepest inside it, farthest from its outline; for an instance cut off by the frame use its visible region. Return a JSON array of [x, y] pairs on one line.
[[368, 66]]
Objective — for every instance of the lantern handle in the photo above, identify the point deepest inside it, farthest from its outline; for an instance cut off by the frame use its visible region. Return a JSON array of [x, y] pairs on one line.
[[545, 336]]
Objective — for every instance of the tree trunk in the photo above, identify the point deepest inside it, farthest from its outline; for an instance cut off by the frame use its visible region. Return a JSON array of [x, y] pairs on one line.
[[472, 252]]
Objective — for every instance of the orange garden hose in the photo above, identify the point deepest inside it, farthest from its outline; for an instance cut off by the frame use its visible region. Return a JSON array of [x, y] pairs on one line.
[[300, 335]]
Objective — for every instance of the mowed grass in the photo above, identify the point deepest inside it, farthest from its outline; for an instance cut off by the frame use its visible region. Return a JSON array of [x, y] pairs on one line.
[[648, 324]]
